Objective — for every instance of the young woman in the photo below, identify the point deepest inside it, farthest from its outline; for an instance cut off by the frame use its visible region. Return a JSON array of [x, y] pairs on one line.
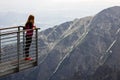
[[29, 33]]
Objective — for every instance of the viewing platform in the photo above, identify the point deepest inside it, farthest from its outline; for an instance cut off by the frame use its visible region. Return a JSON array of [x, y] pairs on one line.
[[12, 50]]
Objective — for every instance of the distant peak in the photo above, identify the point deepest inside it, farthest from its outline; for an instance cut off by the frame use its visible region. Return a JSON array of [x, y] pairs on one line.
[[114, 8]]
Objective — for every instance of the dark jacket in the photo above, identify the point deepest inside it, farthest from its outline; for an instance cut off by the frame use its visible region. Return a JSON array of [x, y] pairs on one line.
[[27, 27]]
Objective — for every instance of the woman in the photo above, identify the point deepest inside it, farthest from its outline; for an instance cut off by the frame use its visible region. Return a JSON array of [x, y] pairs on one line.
[[29, 33]]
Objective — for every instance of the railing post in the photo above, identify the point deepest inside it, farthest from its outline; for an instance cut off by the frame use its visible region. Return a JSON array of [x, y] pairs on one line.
[[23, 42], [36, 36], [0, 46], [18, 49]]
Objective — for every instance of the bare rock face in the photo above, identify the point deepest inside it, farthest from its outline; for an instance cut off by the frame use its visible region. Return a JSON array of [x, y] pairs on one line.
[[83, 49], [63, 47], [98, 51]]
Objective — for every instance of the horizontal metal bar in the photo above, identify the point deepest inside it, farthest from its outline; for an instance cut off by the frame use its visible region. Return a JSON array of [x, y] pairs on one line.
[[8, 50], [10, 43], [9, 53], [32, 46], [9, 68], [15, 27], [21, 26], [18, 31], [8, 57], [14, 40], [8, 31], [15, 57], [28, 42], [8, 37], [9, 28], [6, 44], [15, 52], [30, 51], [22, 62]]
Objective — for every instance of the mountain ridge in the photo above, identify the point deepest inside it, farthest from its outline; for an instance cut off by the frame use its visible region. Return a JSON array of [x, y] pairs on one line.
[[81, 46]]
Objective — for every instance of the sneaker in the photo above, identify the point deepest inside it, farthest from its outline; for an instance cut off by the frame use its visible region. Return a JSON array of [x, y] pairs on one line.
[[28, 58]]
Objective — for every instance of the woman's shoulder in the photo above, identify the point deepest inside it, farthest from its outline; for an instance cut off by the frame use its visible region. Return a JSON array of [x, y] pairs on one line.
[[29, 24]]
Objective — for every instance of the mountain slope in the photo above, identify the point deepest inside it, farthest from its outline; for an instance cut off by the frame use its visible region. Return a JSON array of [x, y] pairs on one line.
[[61, 48], [85, 59]]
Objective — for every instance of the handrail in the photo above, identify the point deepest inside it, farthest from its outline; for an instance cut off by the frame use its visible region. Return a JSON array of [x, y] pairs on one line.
[[17, 31], [12, 27], [8, 28]]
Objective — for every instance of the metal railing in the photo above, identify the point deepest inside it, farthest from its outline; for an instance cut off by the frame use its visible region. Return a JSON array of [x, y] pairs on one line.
[[13, 44]]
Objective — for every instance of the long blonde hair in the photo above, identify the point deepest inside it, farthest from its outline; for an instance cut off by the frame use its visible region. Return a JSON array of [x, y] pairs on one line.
[[30, 19]]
